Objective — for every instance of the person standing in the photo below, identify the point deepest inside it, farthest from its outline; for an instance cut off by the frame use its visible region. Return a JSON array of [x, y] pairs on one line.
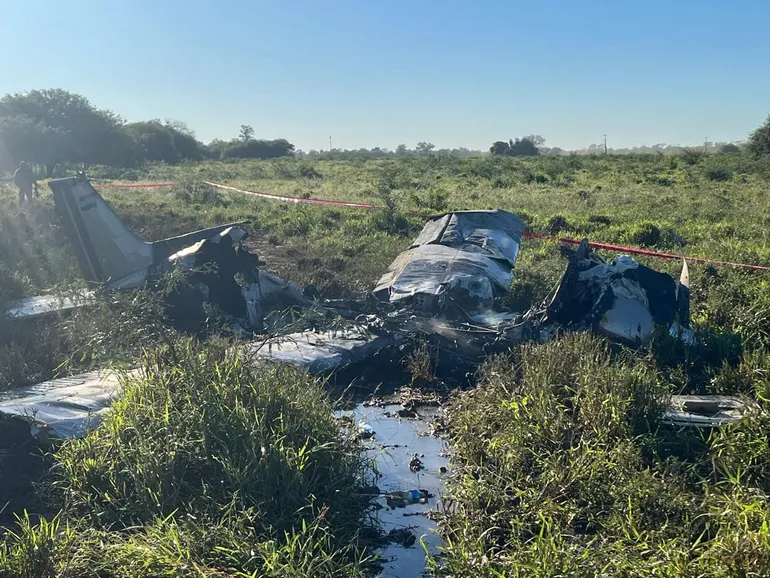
[[25, 181]]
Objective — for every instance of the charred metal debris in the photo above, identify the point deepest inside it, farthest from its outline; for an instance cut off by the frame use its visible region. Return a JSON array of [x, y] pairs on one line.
[[446, 286], [445, 289]]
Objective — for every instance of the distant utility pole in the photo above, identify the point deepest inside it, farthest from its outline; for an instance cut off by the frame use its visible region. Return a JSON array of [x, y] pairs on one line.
[[706, 145], [605, 144], [330, 144]]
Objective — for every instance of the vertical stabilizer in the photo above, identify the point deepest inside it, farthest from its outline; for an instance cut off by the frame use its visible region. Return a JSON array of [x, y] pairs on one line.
[[107, 252]]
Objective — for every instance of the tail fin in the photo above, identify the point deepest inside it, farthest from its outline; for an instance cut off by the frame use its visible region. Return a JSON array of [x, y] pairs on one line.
[[106, 250]]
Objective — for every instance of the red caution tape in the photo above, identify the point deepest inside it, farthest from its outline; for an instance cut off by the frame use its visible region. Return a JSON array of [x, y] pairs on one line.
[[134, 185], [646, 252], [525, 234], [297, 199]]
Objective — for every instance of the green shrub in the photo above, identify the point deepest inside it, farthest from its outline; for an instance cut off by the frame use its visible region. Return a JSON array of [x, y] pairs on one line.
[[198, 193], [203, 431], [645, 234], [719, 175]]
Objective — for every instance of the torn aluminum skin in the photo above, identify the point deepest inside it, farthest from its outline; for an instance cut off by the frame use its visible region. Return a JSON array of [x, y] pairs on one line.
[[623, 299], [325, 351], [67, 407], [464, 258], [704, 411]]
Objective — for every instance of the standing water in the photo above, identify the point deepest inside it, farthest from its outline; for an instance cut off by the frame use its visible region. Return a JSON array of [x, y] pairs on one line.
[[411, 465]]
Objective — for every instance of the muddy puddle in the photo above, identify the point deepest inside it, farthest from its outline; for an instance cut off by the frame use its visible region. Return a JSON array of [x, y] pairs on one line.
[[412, 467]]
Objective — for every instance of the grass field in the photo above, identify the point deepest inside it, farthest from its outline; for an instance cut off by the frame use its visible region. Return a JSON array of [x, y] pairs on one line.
[[561, 465]]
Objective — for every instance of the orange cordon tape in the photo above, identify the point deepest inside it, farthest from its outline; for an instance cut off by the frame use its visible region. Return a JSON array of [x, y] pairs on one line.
[[297, 199], [525, 234]]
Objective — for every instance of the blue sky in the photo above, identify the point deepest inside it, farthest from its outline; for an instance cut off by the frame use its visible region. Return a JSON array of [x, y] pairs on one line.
[[379, 73]]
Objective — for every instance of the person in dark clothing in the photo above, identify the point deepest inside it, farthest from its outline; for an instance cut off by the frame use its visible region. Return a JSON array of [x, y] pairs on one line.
[[25, 181]]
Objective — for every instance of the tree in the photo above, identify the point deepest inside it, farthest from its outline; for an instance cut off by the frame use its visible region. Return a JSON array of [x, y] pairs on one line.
[[499, 147], [523, 147], [86, 134], [187, 146], [23, 138], [401, 151], [247, 133], [155, 141], [424, 148], [536, 139], [759, 141], [729, 148], [179, 126], [258, 149]]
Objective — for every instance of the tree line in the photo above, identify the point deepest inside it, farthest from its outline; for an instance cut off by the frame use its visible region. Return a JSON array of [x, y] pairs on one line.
[[422, 149], [56, 127]]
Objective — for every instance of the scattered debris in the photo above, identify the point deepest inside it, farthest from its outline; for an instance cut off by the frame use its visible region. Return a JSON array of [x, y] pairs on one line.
[[32, 307], [401, 536], [402, 414], [441, 293], [346, 420], [704, 411], [413, 397], [365, 431], [416, 464], [622, 299], [325, 351], [63, 408], [401, 499]]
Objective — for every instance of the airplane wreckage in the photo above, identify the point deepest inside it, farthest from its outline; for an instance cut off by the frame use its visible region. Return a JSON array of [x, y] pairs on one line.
[[446, 287]]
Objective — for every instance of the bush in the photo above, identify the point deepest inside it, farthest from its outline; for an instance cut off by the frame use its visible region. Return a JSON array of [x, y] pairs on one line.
[[309, 172], [692, 156], [719, 175], [198, 193], [257, 149], [729, 148], [645, 234]]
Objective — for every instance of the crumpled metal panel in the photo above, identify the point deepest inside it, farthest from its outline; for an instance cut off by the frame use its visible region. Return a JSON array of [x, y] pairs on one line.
[[68, 407], [186, 257], [325, 351], [622, 299], [493, 233], [31, 307], [704, 411], [627, 320], [270, 293], [467, 257]]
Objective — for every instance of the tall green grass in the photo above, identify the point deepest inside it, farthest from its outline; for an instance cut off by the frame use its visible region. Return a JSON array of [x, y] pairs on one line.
[[563, 469], [207, 465]]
